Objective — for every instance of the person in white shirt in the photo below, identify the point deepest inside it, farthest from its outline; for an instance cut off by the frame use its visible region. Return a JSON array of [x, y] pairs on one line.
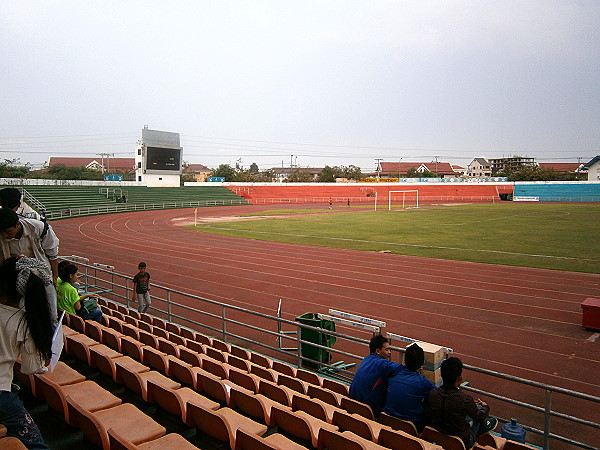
[[29, 237], [25, 333], [11, 198]]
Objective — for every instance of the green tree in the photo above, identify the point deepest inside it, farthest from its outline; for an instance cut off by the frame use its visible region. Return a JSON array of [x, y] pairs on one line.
[[328, 174], [254, 167], [12, 168], [225, 171], [299, 176], [62, 172]]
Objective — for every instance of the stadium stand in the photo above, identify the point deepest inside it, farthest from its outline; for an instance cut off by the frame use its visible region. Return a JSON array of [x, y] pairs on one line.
[[89, 200], [558, 191], [258, 404]]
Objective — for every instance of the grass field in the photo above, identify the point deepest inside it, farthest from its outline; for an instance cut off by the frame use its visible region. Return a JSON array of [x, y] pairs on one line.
[[552, 236]]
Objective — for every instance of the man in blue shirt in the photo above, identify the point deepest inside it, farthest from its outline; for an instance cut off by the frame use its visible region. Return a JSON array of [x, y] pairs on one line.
[[408, 390], [370, 380]]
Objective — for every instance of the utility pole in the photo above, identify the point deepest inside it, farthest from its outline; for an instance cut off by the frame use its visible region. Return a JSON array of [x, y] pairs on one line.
[[436, 166], [378, 168], [102, 155], [291, 159]]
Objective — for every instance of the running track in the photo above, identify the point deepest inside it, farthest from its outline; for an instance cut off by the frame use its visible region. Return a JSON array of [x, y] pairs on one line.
[[521, 321]]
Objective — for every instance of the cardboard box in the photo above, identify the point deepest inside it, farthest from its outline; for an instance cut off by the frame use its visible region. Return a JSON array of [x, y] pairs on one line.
[[435, 376], [591, 313], [434, 355]]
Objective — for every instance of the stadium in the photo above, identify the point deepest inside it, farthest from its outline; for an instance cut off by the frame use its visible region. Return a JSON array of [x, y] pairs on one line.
[[265, 296]]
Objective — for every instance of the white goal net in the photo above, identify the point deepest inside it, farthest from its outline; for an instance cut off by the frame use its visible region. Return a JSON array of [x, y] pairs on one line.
[[403, 200]]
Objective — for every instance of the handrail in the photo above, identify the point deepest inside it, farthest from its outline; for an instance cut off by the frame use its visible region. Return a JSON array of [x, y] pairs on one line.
[[127, 207], [121, 291]]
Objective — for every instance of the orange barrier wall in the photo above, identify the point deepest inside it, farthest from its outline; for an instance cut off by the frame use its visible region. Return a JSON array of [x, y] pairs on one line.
[[466, 192]]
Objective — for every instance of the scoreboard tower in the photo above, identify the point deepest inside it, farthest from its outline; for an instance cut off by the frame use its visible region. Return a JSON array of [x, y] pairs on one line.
[[158, 157]]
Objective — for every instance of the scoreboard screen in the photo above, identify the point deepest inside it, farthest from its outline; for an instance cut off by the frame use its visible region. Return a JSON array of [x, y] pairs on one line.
[[163, 158]]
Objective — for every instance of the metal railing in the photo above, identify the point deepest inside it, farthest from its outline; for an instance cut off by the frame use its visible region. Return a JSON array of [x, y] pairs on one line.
[[128, 207], [220, 318]]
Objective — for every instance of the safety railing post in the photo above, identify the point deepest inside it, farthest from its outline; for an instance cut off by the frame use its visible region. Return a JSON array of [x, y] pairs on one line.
[[547, 411], [223, 323], [169, 305], [127, 296]]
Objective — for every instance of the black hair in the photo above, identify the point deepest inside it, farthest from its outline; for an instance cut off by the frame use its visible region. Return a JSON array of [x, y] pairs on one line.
[[8, 218], [10, 197], [377, 342], [37, 317], [142, 264], [414, 357], [451, 370], [65, 270]]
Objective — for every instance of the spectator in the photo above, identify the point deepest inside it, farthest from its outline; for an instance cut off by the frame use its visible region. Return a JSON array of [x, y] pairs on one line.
[[454, 411], [69, 300], [408, 390], [29, 237], [25, 333], [11, 198], [370, 380], [141, 292]]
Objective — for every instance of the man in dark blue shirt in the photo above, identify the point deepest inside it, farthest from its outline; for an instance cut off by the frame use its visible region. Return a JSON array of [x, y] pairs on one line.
[[408, 390], [370, 380]]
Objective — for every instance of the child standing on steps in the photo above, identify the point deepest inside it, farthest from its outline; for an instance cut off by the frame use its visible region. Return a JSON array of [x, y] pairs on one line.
[[141, 292]]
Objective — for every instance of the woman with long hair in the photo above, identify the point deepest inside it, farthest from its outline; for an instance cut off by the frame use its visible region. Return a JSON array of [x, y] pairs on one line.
[[26, 329]]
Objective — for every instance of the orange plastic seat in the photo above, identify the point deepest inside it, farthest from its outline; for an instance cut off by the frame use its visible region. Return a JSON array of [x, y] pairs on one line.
[[395, 423], [191, 357], [223, 423], [398, 440], [176, 401], [148, 338], [216, 354], [334, 440], [76, 322], [79, 346], [61, 375], [356, 407], [168, 347], [102, 358], [240, 352], [293, 383], [132, 347], [87, 394], [264, 373], [336, 386], [221, 345], [309, 377], [260, 360], [284, 368], [135, 426], [361, 426], [138, 381], [448, 442], [240, 363], [245, 380], [11, 443], [314, 407], [276, 441], [323, 394], [171, 441], [254, 405], [129, 364], [300, 424]]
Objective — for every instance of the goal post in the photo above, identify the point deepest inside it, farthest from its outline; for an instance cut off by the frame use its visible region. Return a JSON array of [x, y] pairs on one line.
[[403, 199]]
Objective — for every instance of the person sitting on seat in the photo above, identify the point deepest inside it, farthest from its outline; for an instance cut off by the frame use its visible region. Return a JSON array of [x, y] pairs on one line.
[[408, 390], [454, 411], [69, 300], [370, 380]]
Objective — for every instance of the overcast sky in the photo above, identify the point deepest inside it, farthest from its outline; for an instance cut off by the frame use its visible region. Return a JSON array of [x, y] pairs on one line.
[[313, 83]]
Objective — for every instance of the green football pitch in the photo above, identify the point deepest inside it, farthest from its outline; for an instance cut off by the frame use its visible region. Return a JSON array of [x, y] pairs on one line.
[[551, 236]]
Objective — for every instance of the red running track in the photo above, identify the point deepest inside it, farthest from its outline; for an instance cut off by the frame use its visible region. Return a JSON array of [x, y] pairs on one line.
[[520, 321]]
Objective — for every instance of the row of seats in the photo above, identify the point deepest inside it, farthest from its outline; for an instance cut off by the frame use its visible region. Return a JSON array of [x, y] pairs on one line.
[[261, 392], [100, 415], [266, 380]]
